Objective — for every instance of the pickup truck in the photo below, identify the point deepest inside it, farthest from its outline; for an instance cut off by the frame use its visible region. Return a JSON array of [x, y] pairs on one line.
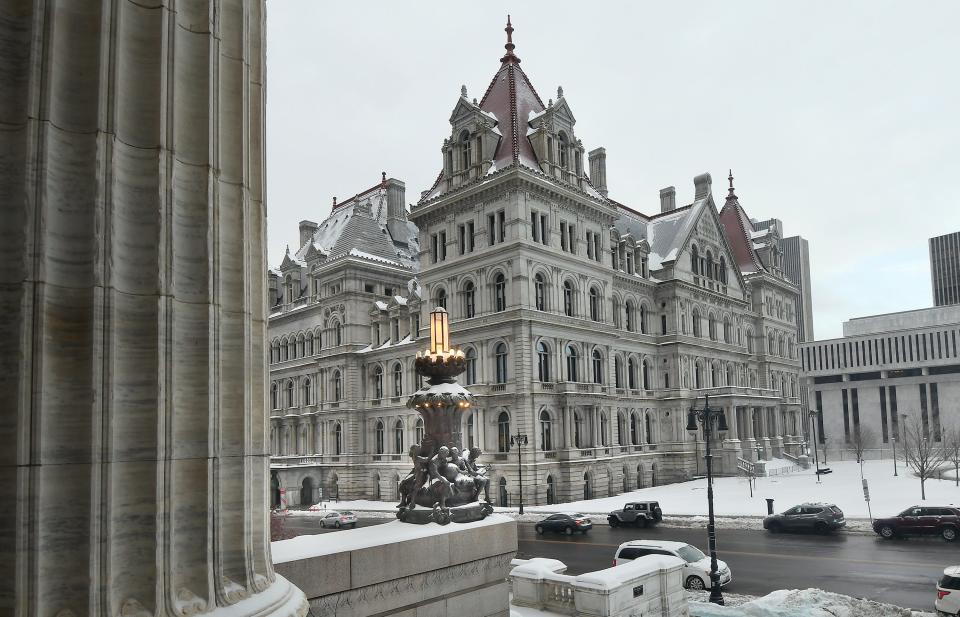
[[638, 513]]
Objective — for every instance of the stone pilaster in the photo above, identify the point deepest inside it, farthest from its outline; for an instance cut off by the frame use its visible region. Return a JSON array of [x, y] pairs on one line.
[[133, 444]]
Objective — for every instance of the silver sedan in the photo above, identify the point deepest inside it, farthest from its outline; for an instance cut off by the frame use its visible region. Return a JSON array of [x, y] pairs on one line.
[[339, 519]]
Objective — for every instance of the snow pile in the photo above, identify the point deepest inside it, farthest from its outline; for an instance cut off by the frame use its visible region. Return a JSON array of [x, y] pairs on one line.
[[803, 603]]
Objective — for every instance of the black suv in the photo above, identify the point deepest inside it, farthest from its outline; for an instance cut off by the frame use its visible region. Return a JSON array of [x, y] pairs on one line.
[[943, 521], [818, 517]]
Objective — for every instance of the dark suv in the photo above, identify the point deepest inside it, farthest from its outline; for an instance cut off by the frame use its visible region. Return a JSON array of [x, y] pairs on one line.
[[943, 521], [818, 517]]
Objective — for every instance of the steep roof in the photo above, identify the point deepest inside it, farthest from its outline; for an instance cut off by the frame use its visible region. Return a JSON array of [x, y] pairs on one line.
[[739, 230]]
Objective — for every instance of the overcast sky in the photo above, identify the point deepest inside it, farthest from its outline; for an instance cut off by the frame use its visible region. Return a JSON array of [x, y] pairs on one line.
[[840, 119]]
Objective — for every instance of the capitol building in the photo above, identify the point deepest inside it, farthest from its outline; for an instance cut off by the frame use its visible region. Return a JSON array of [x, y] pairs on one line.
[[589, 325]]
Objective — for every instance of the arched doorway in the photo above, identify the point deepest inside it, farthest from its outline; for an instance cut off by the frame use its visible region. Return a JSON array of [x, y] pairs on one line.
[[274, 490], [307, 492], [626, 480], [653, 475], [587, 488], [551, 491], [504, 497], [376, 487], [639, 476]]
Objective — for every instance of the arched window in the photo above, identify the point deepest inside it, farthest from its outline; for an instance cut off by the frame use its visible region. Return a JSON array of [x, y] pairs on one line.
[[564, 150], [470, 376], [468, 299], [441, 299], [709, 270], [573, 363], [597, 366], [645, 374], [290, 393], [621, 430], [634, 430], [275, 395], [543, 361], [503, 432], [712, 326], [696, 322], [288, 289], [616, 313], [378, 437], [500, 358], [697, 375], [618, 372], [643, 319], [731, 376], [500, 292], [307, 393], [540, 292], [723, 270], [631, 325], [301, 346], [546, 431], [577, 429], [338, 439], [714, 375], [378, 382], [770, 343], [594, 304], [648, 427], [749, 341], [418, 430], [470, 439], [309, 343], [464, 150], [780, 349], [694, 259], [631, 374], [337, 386], [398, 437], [604, 429], [397, 379], [551, 491], [292, 349], [337, 334], [727, 331], [568, 298]]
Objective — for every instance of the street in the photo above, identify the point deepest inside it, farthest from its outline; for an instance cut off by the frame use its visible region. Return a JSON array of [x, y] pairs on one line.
[[900, 572]]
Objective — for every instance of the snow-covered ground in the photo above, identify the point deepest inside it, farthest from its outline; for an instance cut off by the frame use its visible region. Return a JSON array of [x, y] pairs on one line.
[[782, 603], [889, 495]]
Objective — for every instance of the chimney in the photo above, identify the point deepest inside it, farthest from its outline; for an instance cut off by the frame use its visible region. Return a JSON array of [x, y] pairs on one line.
[[396, 209], [307, 228], [598, 169], [702, 185], [668, 199]]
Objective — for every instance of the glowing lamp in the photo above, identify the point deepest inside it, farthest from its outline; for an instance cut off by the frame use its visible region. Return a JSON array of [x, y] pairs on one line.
[[439, 331]]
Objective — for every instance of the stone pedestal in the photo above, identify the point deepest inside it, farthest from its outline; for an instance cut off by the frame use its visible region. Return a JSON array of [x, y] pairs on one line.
[[404, 570], [133, 457]]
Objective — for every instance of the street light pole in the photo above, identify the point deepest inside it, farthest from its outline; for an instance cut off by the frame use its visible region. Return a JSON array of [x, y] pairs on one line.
[[893, 440], [519, 440], [706, 417], [813, 432]]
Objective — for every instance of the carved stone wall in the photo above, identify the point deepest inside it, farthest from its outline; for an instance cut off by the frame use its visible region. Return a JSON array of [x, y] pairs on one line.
[[133, 459]]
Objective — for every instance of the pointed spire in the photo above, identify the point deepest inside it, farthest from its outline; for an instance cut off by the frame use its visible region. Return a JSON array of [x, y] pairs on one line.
[[288, 250], [334, 201], [509, 56], [730, 194]]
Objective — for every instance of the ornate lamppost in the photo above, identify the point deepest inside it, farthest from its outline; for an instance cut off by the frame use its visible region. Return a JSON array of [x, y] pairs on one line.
[[519, 440], [446, 484], [707, 417], [813, 433]]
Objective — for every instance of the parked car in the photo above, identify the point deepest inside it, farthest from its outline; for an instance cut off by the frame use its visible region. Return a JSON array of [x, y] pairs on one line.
[[948, 593], [921, 520], [638, 513], [696, 570], [819, 517], [567, 523], [339, 519]]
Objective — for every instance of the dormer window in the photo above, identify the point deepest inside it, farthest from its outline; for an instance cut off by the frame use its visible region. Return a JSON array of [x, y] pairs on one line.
[[465, 150], [564, 150]]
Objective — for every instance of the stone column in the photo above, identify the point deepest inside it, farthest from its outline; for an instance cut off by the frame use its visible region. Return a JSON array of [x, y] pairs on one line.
[[133, 440]]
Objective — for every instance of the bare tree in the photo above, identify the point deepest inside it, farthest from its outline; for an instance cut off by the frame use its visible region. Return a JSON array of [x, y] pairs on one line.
[[863, 438], [922, 454], [951, 446]]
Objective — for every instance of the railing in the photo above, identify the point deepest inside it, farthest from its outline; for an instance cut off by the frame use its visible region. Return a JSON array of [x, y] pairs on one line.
[[791, 457], [498, 387], [782, 471], [558, 596], [745, 466], [546, 385], [550, 454]]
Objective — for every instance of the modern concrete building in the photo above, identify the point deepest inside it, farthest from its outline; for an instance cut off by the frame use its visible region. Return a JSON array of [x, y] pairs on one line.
[[883, 367], [945, 269], [589, 326], [133, 450]]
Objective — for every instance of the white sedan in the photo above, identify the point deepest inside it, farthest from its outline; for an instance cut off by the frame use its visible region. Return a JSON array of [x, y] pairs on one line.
[[696, 569], [339, 519]]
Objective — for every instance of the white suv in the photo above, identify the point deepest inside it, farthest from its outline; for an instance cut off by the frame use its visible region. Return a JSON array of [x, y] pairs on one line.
[[696, 570], [948, 592]]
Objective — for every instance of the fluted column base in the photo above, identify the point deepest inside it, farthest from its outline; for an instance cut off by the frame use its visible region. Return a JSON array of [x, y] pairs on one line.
[[280, 599]]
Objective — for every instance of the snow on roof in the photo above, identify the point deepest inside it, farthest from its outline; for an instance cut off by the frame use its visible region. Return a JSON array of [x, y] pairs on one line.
[[617, 576], [667, 234], [381, 305], [309, 546]]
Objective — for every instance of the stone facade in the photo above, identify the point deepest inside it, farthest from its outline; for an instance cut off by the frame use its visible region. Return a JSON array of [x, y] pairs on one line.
[[133, 452], [588, 326]]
